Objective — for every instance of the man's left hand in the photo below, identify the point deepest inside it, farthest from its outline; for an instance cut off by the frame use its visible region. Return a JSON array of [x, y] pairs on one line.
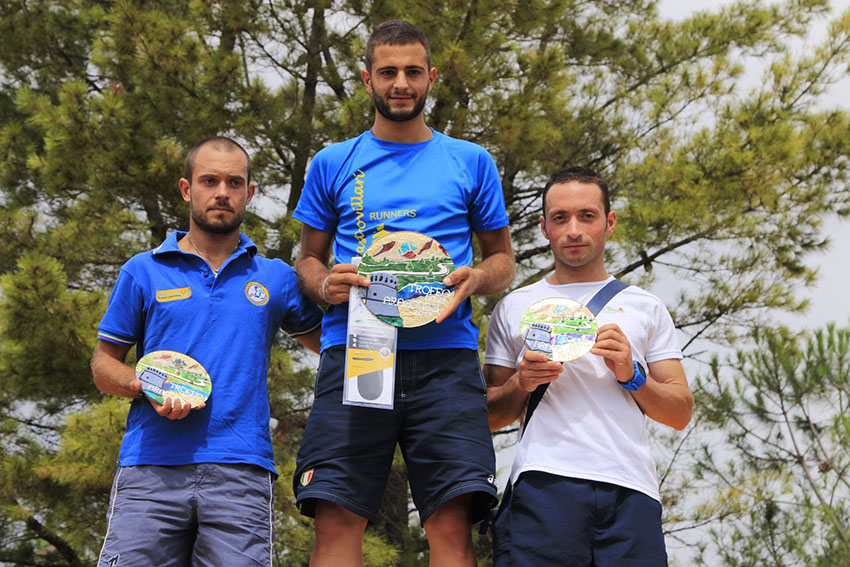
[[467, 281], [614, 347]]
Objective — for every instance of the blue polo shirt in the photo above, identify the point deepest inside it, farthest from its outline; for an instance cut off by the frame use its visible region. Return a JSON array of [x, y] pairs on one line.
[[166, 299]]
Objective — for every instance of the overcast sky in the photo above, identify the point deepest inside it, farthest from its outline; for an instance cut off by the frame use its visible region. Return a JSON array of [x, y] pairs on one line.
[[830, 297]]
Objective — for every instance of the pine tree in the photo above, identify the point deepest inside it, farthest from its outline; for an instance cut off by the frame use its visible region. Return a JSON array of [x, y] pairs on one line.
[[779, 456], [720, 191]]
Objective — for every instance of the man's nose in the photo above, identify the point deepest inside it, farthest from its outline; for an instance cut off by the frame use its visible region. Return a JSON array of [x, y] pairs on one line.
[[221, 190], [400, 81]]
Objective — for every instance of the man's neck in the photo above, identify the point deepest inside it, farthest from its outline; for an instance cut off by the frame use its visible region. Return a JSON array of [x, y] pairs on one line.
[[406, 132], [566, 275], [210, 245]]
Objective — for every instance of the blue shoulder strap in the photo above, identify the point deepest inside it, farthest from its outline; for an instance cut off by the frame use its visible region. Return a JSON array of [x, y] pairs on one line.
[[595, 305], [604, 295]]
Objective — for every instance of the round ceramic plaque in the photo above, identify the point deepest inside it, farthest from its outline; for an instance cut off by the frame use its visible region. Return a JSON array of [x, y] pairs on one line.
[[406, 270], [168, 374], [562, 328]]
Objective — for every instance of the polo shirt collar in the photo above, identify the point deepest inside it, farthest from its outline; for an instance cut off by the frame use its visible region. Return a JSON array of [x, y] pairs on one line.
[[170, 244]]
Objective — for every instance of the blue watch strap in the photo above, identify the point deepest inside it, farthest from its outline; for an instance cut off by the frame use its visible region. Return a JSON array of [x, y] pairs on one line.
[[638, 380]]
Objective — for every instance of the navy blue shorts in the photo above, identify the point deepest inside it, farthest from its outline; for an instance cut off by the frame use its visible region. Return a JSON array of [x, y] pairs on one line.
[[439, 419], [554, 521]]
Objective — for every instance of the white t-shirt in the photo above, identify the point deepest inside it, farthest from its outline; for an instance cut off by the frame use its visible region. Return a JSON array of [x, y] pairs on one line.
[[586, 425]]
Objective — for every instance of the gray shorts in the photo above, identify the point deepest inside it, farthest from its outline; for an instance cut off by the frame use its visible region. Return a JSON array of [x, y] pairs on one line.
[[198, 515]]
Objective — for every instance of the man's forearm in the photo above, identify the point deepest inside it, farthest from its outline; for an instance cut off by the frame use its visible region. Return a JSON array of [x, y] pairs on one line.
[[112, 376], [670, 404], [498, 273], [311, 266], [311, 274], [496, 269], [665, 397], [505, 403]]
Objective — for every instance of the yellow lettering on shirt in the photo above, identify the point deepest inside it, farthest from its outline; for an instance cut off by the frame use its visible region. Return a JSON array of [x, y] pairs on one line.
[[164, 295]]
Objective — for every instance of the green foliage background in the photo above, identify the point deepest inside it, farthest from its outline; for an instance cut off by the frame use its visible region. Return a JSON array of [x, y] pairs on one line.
[[721, 193]]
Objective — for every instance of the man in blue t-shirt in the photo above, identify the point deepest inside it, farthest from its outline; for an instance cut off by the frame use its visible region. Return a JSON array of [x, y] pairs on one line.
[[194, 486], [401, 176]]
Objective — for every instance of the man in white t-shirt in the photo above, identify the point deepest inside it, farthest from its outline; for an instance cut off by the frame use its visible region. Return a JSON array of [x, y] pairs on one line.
[[585, 491]]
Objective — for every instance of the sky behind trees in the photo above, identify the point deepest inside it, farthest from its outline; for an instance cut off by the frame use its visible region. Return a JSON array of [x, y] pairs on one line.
[[100, 100], [830, 296]]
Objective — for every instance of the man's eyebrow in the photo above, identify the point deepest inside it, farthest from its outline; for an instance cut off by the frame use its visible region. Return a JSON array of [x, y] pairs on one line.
[[395, 67], [217, 175], [584, 210]]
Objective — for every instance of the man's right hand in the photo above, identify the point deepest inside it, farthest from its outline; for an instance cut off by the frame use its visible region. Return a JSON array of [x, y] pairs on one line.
[[173, 408], [336, 286], [536, 369]]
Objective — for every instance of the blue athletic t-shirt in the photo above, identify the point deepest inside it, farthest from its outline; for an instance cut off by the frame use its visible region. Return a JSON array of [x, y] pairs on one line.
[[443, 187], [166, 299]]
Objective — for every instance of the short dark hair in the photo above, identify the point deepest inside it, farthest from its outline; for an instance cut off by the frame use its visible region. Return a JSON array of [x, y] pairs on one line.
[[218, 143], [581, 175], [395, 32]]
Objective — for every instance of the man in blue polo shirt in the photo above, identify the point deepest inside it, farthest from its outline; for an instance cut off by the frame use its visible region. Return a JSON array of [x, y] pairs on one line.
[[194, 486], [401, 176]]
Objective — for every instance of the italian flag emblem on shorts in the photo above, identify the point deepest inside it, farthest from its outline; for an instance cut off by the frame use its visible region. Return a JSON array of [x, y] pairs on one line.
[[306, 477]]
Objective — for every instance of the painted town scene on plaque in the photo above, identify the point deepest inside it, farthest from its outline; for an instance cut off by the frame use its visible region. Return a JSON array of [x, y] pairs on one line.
[[406, 270], [168, 374], [562, 328]]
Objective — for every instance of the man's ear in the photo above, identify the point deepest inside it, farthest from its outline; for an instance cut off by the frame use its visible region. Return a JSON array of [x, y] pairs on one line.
[[612, 222], [543, 227], [367, 80], [185, 188]]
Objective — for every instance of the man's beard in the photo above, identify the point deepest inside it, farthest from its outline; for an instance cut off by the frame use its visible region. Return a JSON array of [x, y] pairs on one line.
[[214, 226], [386, 111]]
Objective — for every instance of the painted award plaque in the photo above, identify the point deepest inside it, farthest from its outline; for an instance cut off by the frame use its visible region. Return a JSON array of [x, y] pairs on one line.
[[406, 270], [168, 374], [560, 327]]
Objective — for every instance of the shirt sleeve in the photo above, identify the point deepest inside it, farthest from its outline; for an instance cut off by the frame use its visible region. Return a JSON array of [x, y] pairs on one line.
[[316, 205], [301, 314], [123, 321], [663, 342], [487, 210], [503, 348]]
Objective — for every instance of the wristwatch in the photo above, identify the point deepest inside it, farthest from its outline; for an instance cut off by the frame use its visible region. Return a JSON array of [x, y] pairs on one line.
[[638, 380]]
